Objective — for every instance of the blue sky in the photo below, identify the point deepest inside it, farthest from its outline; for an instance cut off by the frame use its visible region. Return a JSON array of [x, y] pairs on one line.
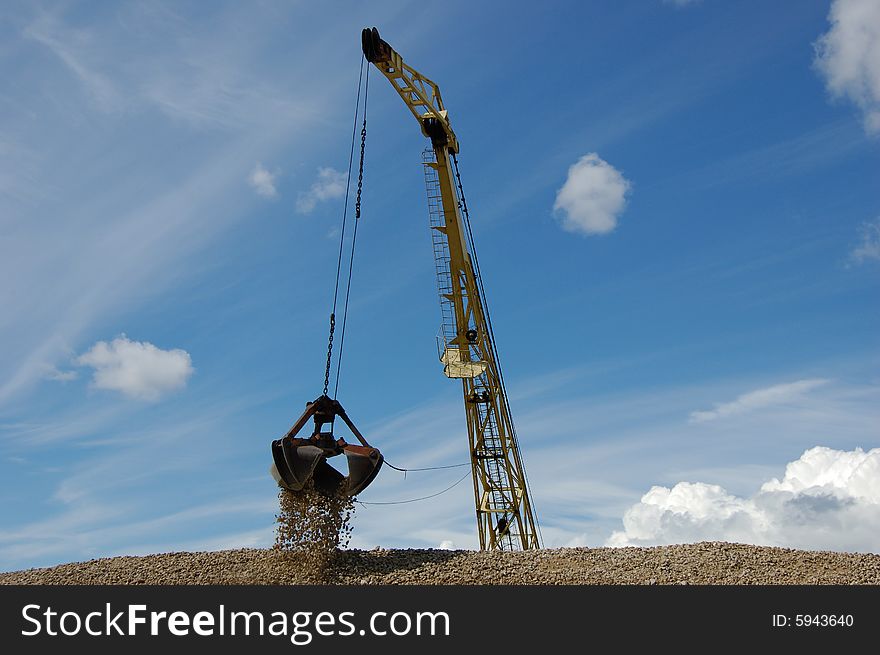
[[677, 214]]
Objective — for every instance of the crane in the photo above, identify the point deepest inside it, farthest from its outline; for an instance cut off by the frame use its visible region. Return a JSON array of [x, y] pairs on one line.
[[466, 344]]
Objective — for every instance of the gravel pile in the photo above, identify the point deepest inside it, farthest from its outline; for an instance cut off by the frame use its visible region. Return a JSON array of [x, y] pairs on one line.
[[702, 563]]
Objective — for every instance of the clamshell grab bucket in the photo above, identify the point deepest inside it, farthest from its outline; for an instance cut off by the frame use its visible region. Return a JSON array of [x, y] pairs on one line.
[[363, 467], [298, 461], [295, 464]]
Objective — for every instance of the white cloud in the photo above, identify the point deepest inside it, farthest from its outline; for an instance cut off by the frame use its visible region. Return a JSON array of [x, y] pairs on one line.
[[760, 398], [827, 499], [329, 185], [848, 56], [593, 196], [67, 46], [869, 248], [447, 544], [136, 368], [53, 373], [263, 182]]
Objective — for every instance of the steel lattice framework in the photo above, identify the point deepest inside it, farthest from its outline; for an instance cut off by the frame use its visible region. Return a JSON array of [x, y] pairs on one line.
[[505, 516]]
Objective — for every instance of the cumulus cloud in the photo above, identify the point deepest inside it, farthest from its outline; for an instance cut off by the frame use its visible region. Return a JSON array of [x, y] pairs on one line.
[[330, 184], [776, 395], [593, 196], [869, 248], [136, 368], [447, 544], [828, 499], [848, 56], [263, 182]]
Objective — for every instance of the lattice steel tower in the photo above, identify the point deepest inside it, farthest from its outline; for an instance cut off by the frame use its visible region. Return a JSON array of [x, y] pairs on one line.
[[505, 516]]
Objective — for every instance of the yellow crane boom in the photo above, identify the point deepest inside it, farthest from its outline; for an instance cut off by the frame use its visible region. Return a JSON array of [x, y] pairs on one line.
[[505, 516]]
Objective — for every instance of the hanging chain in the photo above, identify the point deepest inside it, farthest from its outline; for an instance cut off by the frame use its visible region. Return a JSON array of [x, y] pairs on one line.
[[329, 353], [357, 202], [342, 231], [357, 215]]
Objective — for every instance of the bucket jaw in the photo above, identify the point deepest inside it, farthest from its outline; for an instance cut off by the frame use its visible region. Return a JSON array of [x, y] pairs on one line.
[[297, 461]]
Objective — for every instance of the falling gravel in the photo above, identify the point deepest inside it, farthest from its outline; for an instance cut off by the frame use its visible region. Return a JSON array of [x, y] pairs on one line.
[[311, 529], [703, 563]]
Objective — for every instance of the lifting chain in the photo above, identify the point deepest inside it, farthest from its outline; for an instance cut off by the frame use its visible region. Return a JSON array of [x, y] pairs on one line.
[[329, 352], [357, 201], [357, 215]]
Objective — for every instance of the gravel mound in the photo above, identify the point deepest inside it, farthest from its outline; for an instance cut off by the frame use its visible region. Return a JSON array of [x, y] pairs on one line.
[[702, 563]]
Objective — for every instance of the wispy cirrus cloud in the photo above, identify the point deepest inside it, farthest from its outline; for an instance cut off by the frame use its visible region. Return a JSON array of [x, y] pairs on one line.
[[758, 399], [101, 496], [92, 246], [817, 149], [72, 47], [195, 78]]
